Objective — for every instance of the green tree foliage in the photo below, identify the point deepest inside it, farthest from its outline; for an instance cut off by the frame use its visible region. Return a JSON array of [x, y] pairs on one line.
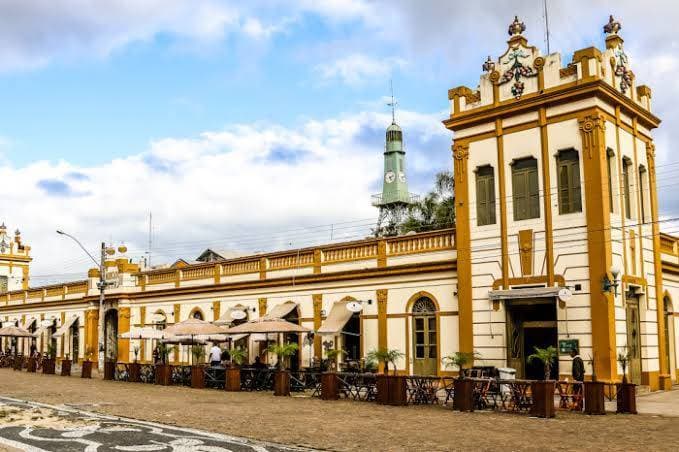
[[436, 210]]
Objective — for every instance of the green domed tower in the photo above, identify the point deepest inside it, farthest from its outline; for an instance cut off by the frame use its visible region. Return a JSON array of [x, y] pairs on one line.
[[394, 200]]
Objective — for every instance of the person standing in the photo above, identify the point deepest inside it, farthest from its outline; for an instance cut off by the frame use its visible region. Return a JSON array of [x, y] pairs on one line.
[[578, 373], [215, 356]]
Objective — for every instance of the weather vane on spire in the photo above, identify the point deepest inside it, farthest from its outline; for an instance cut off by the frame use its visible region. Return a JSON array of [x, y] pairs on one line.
[[393, 103]]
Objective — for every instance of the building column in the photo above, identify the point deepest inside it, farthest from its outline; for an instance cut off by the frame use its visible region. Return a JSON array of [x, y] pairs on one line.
[[665, 377], [124, 315], [91, 332], [602, 305], [382, 343], [463, 245], [318, 319], [262, 307]]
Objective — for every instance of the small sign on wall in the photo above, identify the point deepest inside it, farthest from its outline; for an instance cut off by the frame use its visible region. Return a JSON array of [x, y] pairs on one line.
[[566, 345]]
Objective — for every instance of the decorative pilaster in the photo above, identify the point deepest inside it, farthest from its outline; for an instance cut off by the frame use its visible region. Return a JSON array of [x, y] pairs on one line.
[[463, 242], [665, 376], [382, 342], [262, 307], [318, 319], [381, 253], [124, 315], [216, 310], [91, 332], [142, 323], [602, 306]]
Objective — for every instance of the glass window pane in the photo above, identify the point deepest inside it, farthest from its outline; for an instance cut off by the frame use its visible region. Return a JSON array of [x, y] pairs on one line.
[[432, 338], [419, 323], [419, 351], [432, 323], [432, 352], [419, 338]]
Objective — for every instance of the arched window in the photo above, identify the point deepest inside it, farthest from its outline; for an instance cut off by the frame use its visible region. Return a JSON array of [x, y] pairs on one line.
[[643, 191], [425, 340], [568, 164], [626, 164], [197, 314], [609, 172], [525, 189], [424, 305], [159, 320]]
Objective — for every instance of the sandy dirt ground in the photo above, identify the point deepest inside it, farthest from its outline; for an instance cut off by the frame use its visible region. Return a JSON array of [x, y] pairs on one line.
[[345, 425]]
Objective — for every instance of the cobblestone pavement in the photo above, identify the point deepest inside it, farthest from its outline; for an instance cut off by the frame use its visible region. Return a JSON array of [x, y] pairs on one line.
[[40, 427], [347, 425]]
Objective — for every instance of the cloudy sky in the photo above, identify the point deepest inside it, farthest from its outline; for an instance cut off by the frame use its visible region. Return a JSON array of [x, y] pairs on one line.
[[256, 127]]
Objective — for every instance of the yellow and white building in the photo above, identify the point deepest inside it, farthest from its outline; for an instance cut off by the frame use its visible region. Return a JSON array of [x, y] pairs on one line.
[[557, 242]]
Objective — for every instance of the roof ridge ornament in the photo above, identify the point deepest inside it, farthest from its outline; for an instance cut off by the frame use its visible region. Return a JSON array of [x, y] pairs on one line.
[[613, 26], [516, 28]]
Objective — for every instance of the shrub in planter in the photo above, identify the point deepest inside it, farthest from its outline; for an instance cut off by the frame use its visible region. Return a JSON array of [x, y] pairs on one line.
[[66, 367], [86, 370], [329, 386], [32, 364], [543, 391], [49, 364], [238, 356], [198, 368], [283, 352], [626, 398], [109, 369], [18, 362], [391, 389], [463, 394], [135, 372], [594, 397], [163, 374]]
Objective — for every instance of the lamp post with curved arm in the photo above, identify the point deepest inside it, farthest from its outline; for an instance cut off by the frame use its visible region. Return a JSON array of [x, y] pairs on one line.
[[101, 285]]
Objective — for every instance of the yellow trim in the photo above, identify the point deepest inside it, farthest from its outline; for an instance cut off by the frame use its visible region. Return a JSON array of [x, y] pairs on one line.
[[142, 323], [463, 235], [526, 252], [193, 312], [124, 315], [504, 241], [602, 306], [547, 196], [262, 306], [317, 300]]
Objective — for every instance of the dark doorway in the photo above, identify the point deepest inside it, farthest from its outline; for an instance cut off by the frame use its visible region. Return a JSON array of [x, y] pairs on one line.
[[351, 338], [293, 338], [75, 341], [531, 323]]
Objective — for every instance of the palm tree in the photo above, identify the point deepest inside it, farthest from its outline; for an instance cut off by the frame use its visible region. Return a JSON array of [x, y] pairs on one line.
[[282, 352], [238, 355], [386, 356], [546, 356], [460, 360]]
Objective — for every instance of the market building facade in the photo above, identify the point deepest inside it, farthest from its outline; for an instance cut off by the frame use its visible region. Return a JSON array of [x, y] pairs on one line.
[[557, 242]]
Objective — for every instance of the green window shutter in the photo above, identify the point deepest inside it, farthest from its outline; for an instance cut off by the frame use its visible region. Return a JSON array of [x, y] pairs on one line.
[[570, 199], [625, 180], [526, 189], [576, 188], [485, 196], [609, 159]]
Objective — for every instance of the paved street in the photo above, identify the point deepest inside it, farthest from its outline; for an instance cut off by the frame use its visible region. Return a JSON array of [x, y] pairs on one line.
[[36, 427]]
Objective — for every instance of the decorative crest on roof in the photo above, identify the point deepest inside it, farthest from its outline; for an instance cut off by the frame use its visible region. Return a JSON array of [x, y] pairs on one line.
[[517, 27], [489, 65], [612, 27]]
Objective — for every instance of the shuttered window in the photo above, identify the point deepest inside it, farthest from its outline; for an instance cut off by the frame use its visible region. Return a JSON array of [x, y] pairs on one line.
[[485, 195], [525, 189], [642, 192], [626, 163], [568, 164]]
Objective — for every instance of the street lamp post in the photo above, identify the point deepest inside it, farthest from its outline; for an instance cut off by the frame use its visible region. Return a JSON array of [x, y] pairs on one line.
[[101, 285]]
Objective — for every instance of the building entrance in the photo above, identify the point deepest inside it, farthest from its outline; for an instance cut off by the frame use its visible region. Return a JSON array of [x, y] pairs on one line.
[[530, 323], [633, 339]]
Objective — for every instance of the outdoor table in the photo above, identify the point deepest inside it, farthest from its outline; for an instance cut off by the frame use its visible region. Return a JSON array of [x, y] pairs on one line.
[[518, 398], [570, 394], [422, 389], [215, 377]]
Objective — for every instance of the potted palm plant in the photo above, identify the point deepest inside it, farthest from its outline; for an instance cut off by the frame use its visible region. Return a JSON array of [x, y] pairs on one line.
[[162, 369], [49, 363], [238, 356], [391, 389], [135, 367], [626, 392], [329, 380], [66, 367], [594, 392], [198, 366], [282, 376], [543, 390], [86, 370], [463, 395]]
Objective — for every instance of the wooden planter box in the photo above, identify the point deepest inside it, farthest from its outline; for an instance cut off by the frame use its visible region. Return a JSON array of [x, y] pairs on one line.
[[392, 390], [109, 370], [32, 365], [232, 377], [18, 362], [135, 373], [543, 398], [594, 397], [626, 398], [198, 377], [48, 366], [463, 395], [86, 371], [163, 375], [329, 386], [66, 368], [281, 383]]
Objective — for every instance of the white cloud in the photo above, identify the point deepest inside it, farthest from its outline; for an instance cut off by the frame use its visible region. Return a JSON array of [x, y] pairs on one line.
[[357, 68], [246, 181]]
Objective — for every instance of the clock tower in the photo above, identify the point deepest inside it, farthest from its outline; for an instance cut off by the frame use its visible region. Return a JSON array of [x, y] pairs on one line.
[[395, 198]]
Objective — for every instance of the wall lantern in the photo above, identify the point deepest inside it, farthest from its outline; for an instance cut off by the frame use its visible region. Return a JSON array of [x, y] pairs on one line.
[[608, 285]]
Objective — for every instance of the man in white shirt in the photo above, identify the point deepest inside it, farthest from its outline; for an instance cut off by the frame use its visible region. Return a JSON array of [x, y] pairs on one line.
[[215, 356]]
